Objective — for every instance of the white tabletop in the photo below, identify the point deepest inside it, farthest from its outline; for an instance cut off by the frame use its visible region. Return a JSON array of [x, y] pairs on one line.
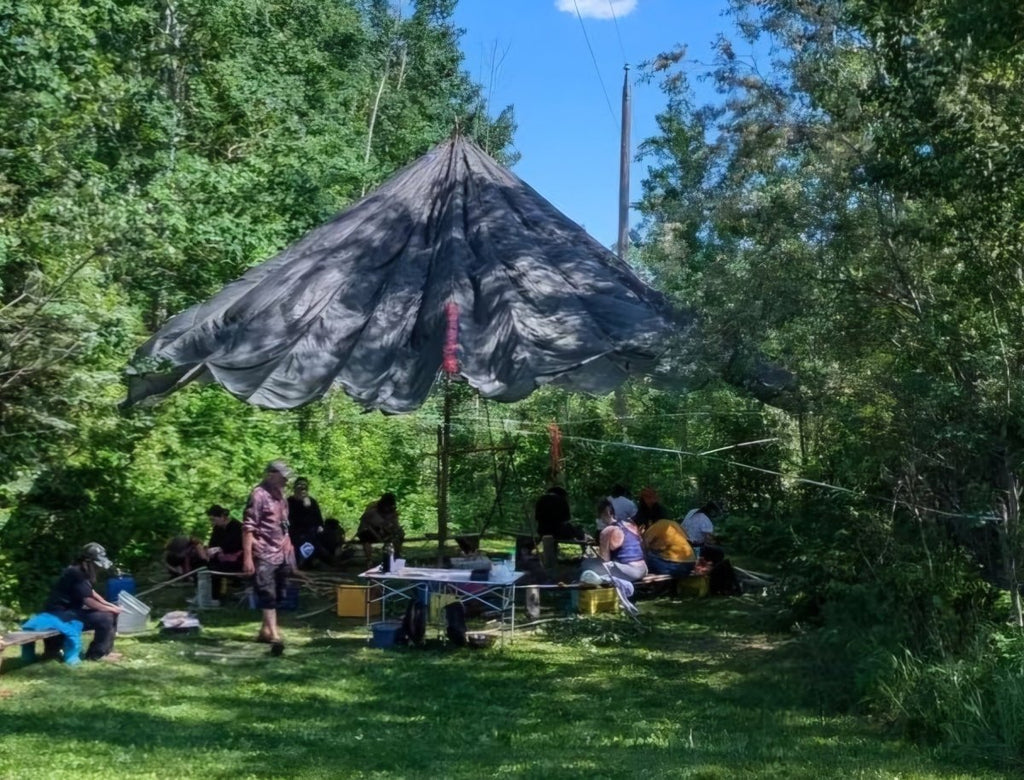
[[440, 575]]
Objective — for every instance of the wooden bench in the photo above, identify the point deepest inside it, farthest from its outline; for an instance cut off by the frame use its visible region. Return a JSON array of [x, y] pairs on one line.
[[27, 641], [651, 586], [665, 584], [654, 585]]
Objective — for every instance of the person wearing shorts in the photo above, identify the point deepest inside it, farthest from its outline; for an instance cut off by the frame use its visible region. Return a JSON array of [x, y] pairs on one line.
[[267, 552]]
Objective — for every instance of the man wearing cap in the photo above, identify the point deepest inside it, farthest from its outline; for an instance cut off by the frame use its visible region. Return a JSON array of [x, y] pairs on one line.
[[267, 552], [74, 598]]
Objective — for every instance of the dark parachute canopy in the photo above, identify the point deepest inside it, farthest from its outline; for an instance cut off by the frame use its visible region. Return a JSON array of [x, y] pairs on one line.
[[360, 301]]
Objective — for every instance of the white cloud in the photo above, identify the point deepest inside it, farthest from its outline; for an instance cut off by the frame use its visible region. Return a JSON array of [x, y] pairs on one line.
[[597, 9]]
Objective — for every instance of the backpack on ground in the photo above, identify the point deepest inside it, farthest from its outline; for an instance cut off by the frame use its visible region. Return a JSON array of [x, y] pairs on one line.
[[414, 623], [455, 618], [723, 580]]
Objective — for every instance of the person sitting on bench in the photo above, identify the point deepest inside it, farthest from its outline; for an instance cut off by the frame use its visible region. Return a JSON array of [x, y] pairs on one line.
[[668, 549], [183, 555], [379, 523], [225, 547], [700, 530], [74, 598], [621, 550], [553, 516], [331, 543], [305, 523], [622, 504], [650, 509]]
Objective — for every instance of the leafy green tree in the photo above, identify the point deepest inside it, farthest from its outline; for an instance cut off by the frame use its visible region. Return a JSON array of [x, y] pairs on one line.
[[850, 213], [151, 153]]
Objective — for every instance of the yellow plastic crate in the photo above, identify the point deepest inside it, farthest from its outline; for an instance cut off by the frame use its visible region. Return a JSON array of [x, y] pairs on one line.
[[694, 585], [438, 601], [352, 600], [593, 601]]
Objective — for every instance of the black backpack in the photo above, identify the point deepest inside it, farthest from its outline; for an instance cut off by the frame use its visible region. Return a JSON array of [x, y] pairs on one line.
[[414, 624], [455, 617], [723, 580]]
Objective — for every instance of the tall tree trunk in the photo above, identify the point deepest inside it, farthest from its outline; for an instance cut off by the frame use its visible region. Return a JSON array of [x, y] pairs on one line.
[[1010, 537], [373, 117]]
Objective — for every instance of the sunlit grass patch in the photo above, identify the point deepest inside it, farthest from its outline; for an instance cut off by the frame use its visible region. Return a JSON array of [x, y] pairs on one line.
[[693, 690]]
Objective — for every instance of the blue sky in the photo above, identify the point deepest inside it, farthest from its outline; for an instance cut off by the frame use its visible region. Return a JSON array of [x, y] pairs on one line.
[[533, 54]]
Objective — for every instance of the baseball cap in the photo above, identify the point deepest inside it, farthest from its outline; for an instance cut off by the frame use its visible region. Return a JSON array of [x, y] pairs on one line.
[[280, 467], [94, 552]]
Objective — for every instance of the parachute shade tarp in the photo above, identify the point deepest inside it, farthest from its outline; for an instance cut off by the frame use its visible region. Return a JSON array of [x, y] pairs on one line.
[[360, 301]]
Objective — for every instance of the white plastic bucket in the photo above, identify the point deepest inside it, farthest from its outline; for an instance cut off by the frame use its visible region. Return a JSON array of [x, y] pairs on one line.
[[133, 618], [204, 591]]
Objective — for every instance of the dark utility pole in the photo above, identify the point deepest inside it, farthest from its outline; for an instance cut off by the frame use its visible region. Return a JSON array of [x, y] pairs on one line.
[[627, 111]]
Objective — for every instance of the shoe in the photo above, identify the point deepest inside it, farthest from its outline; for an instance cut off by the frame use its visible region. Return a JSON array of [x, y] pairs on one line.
[[591, 578], [112, 658], [277, 648]]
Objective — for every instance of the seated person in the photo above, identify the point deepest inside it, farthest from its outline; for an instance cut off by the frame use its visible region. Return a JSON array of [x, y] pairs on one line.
[[305, 522], [668, 549], [621, 549], [553, 516], [331, 541], [379, 523], [184, 554], [224, 551], [74, 597], [700, 530], [624, 507], [650, 509]]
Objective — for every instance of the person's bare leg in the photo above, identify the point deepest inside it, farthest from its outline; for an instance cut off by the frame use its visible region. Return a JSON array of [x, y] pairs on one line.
[[269, 627]]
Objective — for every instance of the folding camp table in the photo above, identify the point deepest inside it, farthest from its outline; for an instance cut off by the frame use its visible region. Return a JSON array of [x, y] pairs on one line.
[[498, 595]]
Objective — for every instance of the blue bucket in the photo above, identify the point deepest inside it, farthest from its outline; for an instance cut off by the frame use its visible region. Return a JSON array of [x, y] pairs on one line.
[[385, 633], [290, 599], [115, 585]]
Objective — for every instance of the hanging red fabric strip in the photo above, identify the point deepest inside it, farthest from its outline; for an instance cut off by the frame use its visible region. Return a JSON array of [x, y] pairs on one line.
[[450, 361], [556, 450]]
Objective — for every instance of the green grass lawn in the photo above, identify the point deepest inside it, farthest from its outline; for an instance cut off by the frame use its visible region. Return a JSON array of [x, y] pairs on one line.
[[696, 693]]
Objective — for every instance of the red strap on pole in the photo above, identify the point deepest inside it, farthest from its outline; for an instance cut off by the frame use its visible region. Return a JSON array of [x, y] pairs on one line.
[[450, 361], [556, 450]]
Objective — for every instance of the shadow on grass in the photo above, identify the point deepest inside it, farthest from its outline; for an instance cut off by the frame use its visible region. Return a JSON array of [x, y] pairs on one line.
[[693, 693]]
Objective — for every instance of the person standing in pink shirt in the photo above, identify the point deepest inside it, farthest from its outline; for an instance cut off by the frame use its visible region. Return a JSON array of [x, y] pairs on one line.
[[267, 552]]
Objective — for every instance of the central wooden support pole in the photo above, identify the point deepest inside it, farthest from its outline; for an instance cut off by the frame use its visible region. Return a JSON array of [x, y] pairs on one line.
[[444, 433]]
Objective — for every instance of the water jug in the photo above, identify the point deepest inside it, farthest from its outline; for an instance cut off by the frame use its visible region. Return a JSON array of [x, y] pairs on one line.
[[122, 582]]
